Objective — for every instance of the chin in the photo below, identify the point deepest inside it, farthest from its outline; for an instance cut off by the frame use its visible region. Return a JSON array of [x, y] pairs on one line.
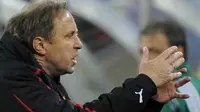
[[70, 70], [66, 70]]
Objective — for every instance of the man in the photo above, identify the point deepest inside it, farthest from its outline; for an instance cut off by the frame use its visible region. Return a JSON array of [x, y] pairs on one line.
[[158, 36], [41, 43]]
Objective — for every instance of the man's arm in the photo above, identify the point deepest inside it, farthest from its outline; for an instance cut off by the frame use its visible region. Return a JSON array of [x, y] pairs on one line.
[[33, 95], [125, 98], [135, 93]]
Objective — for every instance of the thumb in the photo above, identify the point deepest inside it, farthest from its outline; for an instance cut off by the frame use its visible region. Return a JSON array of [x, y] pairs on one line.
[[145, 55]]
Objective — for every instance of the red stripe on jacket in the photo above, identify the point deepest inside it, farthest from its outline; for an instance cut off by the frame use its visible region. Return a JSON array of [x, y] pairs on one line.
[[26, 106]]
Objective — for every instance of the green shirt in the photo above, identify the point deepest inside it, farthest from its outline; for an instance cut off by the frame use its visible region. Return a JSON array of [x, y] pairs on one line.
[[179, 105]]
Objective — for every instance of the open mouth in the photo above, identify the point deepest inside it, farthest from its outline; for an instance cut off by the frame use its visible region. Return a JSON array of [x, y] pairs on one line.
[[74, 60]]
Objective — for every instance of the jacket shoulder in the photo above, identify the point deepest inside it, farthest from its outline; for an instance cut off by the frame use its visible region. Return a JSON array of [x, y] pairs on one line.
[[13, 68]]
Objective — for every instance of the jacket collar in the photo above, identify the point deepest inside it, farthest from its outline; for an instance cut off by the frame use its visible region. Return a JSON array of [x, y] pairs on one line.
[[11, 48], [14, 49]]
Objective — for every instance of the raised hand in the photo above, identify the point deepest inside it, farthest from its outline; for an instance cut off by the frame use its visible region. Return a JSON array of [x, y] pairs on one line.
[[168, 91], [161, 68]]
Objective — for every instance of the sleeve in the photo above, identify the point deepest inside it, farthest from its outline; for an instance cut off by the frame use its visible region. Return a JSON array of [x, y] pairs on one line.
[[133, 96], [35, 96]]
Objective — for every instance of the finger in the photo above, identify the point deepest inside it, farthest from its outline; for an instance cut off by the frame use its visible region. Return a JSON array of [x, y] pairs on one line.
[[168, 52], [183, 70], [182, 96], [145, 55], [174, 57], [182, 82], [178, 62], [174, 76]]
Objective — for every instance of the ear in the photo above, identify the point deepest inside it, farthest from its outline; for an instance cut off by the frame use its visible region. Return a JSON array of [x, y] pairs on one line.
[[38, 45]]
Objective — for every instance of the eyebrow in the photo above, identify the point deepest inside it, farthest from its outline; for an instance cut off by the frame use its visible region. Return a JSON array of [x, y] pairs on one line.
[[73, 31]]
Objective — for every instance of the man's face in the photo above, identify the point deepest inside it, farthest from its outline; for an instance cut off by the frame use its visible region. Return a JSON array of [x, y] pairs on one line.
[[64, 45], [156, 43]]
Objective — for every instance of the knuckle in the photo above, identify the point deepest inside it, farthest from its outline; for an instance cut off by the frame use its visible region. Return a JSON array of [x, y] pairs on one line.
[[183, 59], [176, 55], [172, 49], [179, 53], [180, 61]]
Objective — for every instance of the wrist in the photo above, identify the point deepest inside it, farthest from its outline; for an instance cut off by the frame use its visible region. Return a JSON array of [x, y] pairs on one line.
[[147, 78]]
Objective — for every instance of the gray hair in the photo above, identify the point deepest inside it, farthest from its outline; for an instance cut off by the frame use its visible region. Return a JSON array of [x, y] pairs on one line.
[[36, 19]]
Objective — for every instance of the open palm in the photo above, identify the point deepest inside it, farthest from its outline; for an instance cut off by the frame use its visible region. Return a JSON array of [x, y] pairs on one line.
[[167, 92]]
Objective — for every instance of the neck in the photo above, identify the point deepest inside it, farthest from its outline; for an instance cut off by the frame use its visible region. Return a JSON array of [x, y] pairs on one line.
[[45, 66], [49, 70]]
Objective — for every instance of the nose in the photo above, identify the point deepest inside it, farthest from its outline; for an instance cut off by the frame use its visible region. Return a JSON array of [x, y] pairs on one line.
[[78, 44]]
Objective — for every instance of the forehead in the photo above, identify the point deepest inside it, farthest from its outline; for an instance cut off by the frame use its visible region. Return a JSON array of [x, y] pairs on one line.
[[154, 41], [64, 20]]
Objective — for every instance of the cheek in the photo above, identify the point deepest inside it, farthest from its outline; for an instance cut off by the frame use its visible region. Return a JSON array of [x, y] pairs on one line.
[[61, 53], [61, 60], [59, 56], [64, 56]]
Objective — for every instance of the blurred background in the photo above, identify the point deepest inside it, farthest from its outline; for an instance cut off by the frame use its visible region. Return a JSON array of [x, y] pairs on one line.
[[109, 30]]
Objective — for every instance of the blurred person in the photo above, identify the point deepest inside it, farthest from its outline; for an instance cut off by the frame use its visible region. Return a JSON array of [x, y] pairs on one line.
[[160, 35], [41, 43]]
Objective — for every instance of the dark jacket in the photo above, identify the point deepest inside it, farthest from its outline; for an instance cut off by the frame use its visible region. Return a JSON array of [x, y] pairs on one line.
[[25, 87]]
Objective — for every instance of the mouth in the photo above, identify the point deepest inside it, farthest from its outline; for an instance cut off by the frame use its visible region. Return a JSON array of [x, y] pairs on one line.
[[74, 60]]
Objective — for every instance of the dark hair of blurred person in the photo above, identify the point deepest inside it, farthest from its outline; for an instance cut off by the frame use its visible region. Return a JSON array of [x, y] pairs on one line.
[[160, 35]]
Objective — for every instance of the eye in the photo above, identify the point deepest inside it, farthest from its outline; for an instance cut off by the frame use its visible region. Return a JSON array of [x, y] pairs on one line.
[[69, 35]]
